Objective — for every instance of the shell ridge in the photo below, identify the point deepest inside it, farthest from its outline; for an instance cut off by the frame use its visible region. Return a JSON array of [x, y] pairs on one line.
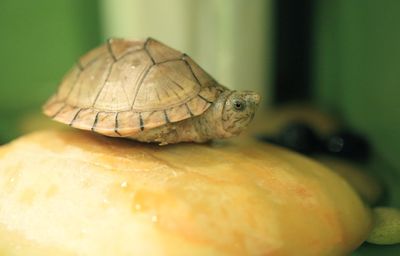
[[204, 99], [58, 111], [91, 61], [73, 85], [109, 49], [141, 121], [104, 84], [158, 94], [147, 50], [79, 92], [129, 53], [120, 84], [123, 89], [191, 70], [137, 80], [77, 122], [173, 90], [116, 124], [95, 122], [81, 69], [174, 82], [137, 89], [167, 90], [134, 110], [171, 60], [188, 109], [166, 117], [75, 117]]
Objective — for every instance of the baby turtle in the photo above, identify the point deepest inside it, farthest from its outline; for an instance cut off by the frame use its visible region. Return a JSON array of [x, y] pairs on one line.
[[147, 91]]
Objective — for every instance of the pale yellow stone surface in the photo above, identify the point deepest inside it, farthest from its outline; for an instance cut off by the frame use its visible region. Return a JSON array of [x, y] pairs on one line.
[[368, 187], [386, 229], [74, 193]]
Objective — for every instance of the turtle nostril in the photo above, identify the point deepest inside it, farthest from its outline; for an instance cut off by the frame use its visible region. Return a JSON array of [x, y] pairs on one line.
[[256, 98]]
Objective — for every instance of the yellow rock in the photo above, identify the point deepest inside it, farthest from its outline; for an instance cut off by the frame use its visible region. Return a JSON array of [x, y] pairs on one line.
[[368, 187], [71, 192], [386, 226]]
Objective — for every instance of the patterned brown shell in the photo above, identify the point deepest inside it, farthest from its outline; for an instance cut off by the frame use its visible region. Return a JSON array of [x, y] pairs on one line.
[[124, 87]]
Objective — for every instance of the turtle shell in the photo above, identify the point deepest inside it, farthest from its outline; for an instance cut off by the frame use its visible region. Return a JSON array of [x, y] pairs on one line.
[[124, 87]]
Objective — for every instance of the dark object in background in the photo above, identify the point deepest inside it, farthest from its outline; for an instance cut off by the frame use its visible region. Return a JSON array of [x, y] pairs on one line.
[[347, 144], [299, 137], [302, 138]]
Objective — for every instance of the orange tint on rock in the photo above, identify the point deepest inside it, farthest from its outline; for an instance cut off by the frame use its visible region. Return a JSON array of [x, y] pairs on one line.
[[101, 196]]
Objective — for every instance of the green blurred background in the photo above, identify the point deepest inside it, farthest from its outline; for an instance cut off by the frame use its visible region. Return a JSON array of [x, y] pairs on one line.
[[40, 40], [355, 54]]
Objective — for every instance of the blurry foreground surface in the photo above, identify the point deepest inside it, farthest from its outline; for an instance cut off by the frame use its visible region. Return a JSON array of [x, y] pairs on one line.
[[117, 197]]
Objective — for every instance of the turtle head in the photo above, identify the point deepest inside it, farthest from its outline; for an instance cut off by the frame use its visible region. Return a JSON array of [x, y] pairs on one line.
[[238, 111]]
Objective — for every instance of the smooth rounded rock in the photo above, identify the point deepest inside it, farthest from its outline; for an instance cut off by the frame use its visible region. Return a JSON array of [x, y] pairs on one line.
[[75, 193], [387, 226]]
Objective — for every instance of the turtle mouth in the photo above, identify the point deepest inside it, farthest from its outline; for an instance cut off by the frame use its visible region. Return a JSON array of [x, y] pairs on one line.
[[239, 124]]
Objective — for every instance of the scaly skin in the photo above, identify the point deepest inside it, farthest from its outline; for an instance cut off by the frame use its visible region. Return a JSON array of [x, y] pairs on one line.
[[229, 115]]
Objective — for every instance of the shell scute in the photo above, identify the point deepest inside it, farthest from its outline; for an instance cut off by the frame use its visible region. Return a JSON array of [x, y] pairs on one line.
[[120, 48], [105, 123], [178, 113], [166, 85], [198, 105], [160, 52], [92, 56], [85, 120], [52, 106], [128, 122], [203, 77], [153, 119], [209, 93], [68, 83], [123, 81], [90, 83], [66, 114]]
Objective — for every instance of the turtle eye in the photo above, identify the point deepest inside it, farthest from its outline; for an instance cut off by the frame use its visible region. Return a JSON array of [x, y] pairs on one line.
[[239, 105]]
